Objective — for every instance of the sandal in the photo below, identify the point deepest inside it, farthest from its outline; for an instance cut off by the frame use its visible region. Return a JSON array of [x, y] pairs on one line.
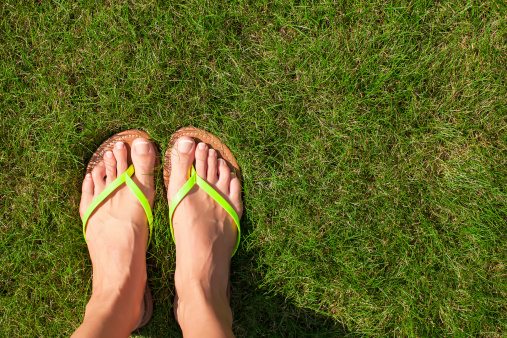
[[127, 137], [222, 152]]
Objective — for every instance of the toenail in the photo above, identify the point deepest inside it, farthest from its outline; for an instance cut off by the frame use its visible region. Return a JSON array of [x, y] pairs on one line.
[[212, 152], [221, 162], [185, 146], [142, 147], [202, 146], [101, 164], [88, 176], [109, 154], [119, 145]]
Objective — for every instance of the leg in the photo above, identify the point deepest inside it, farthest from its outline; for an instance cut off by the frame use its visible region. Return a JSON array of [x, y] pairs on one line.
[[205, 236], [117, 236]]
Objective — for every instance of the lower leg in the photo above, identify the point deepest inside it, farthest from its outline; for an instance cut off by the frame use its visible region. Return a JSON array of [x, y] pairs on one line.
[[112, 315], [202, 313]]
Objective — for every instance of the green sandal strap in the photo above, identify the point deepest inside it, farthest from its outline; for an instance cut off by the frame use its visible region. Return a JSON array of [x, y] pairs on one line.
[[195, 179], [123, 178]]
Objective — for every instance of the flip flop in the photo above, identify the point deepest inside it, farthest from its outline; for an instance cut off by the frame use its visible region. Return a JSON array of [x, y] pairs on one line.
[[127, 137], [222, 152]]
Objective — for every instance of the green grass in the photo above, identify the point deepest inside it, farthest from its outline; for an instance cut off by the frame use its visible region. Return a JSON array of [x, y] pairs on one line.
[[372, 137]]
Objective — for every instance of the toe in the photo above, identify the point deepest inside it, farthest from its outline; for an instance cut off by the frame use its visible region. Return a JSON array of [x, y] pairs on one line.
[[201, 159], [98, 175], [120, 153], [86, 195], [143, 158], [235, 194], [110, 162], [212, 176], [224, 175], [182, 157]]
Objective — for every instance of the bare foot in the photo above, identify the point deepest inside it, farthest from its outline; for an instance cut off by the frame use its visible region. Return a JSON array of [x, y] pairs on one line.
[[117, 235], [205, 236]]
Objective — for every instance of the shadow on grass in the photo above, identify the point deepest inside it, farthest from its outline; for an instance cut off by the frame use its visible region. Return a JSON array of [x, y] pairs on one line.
[[258, 312]]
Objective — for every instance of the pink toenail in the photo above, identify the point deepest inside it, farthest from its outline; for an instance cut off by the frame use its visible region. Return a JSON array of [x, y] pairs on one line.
[[101, 164], [221, 162], [109, 154], [142, 147], [212, 152], [119, 145], [88, 176], [202, 146], [185, 146]]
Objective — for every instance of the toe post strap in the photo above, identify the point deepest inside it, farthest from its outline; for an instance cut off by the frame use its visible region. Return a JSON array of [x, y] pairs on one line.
[[126, 178], [195, 179]]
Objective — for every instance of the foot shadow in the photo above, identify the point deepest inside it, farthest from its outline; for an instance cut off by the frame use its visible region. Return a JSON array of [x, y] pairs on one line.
[[258, 313]]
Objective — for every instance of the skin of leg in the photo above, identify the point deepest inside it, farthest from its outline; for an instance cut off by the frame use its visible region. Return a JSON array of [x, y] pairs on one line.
[[205, 236], [117, 236]]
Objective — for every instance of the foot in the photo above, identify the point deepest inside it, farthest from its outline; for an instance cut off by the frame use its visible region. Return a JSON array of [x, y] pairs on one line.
[[205, 236], [117, 235]]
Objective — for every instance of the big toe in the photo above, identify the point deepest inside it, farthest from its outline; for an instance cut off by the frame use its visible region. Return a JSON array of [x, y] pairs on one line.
[[182, 157], [143, 158]]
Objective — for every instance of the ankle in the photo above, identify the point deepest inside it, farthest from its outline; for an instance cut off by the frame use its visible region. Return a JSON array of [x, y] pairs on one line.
[[118, 299], [115, 313], [210, 303]]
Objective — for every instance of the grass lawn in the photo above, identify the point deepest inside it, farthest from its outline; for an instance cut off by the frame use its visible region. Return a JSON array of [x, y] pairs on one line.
[[372, 137]]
